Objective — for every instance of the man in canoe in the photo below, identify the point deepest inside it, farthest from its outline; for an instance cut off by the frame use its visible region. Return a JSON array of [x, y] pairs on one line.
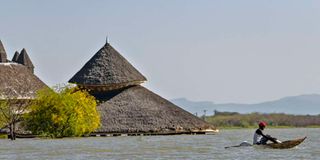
[[260, 139]]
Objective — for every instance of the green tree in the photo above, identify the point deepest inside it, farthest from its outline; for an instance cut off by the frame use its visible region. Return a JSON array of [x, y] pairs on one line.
[[11, 112], [67, 112]]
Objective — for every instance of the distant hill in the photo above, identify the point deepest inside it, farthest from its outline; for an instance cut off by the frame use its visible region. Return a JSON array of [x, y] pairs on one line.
[[303, 104]]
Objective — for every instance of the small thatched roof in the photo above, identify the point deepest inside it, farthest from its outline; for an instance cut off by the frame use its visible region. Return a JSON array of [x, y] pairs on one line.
[[15, 56], [3, 54], [136, 109], [25, 59], [17, 81], [107, 68]]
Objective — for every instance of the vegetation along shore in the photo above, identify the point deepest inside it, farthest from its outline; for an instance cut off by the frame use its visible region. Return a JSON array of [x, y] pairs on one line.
[[274, 120]]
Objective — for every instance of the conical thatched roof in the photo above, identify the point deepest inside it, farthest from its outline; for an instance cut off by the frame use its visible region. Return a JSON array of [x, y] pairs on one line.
[[3, 54], [25, 60], [136, 109], [17, 81], [15, 56], [107, 70]]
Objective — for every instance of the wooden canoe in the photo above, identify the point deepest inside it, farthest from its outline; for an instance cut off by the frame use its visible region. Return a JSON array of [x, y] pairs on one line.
[[285, 144]]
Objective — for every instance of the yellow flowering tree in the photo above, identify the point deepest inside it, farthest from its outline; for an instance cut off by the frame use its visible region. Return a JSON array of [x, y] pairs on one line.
[[65, 113]]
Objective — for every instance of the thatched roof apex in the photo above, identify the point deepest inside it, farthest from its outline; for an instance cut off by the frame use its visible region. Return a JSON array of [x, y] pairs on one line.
[[107, 68], [25, 59], [3, 54], [17, 81], [136, 109], [15, 56]]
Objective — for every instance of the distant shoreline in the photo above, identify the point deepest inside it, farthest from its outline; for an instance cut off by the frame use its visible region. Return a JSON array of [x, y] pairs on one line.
[[236, 120]]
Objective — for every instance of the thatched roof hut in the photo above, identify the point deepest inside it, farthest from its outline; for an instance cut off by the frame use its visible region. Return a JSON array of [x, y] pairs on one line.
[[18, 85], [107, 70], [17, 81], [127, 107], [138, 110], [3, 54]]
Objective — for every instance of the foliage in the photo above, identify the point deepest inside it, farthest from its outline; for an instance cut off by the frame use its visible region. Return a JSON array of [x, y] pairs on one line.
[[216, 112], [3, 136], [273, 119], [4, 109], [68, 112], [11, 111]]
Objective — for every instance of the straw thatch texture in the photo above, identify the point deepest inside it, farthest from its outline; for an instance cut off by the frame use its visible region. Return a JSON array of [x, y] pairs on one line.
[[3, 54], [25, 60], [136, 109], [107, 68], [17, 81]]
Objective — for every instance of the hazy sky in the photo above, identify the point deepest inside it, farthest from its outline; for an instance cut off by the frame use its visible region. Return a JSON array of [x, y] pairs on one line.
[[223, 51]]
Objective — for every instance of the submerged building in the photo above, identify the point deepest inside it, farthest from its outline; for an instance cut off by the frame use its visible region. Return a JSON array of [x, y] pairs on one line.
[[126, 106], [17, 80]]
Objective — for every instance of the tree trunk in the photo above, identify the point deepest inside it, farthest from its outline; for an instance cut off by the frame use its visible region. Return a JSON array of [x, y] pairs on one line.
[[12, 136], [14, 131]]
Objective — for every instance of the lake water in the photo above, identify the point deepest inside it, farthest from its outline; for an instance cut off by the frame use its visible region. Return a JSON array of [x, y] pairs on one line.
[[163, 147]]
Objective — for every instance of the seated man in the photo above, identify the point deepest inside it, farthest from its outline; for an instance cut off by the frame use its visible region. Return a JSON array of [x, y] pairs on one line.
[[260, 139]]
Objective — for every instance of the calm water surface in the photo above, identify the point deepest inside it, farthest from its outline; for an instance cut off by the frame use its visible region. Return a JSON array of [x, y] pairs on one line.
[[162, 147]]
